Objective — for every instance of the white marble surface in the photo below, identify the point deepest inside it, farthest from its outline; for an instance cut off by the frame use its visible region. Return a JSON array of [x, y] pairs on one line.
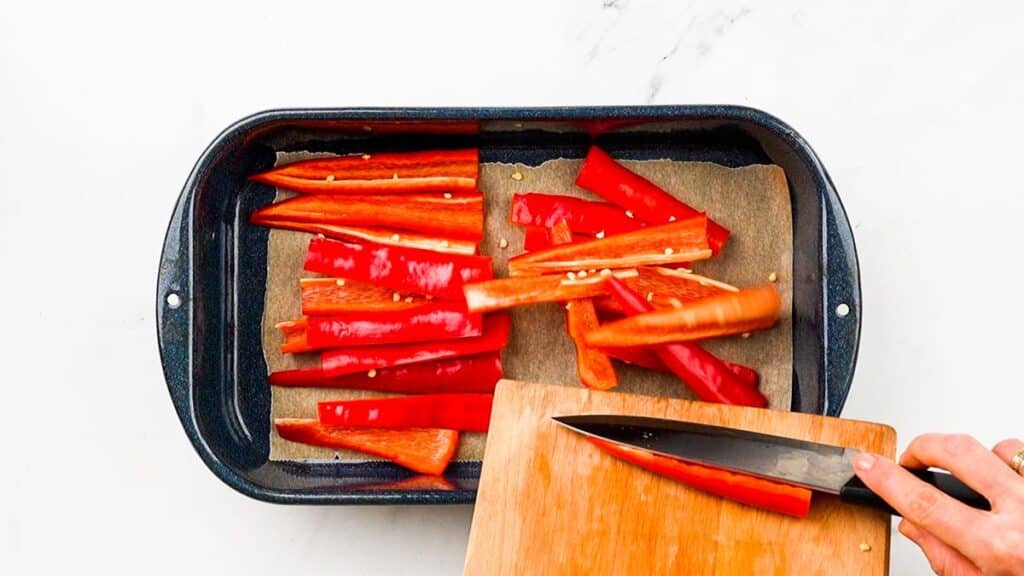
[[103, 109]]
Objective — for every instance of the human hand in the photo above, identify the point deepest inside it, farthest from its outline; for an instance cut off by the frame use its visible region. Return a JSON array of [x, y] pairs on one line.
[[958, 540]]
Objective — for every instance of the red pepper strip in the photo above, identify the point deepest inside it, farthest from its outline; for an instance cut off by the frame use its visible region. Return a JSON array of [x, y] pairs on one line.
[[422, 323], [380, 235], [593, 367], [720, 315], [408, 269], [337, 295], [537, 238], [423, 450], [682, 241], [615, 183], [647, 358], [463, 412], [667, 288], [459, 216], [582, 216], [411, 484], [440, 321], [295, 334], [707, 376], [505, 293], [341, 361], [467, 375], [749, 490], [433, 171]]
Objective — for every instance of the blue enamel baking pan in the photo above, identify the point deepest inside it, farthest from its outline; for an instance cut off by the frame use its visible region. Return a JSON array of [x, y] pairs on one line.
[[212, 276]]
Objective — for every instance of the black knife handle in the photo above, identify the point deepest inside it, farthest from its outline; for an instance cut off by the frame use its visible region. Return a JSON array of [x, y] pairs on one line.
[[856, 492]]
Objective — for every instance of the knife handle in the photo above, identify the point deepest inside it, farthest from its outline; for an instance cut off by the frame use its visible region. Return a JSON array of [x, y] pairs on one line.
[[855, 492]]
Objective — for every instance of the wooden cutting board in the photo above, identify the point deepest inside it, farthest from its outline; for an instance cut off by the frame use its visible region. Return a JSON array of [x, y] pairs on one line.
[[551, 503]]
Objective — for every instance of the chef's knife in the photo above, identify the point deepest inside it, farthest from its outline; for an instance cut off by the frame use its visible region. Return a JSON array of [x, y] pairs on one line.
[[819, 467]]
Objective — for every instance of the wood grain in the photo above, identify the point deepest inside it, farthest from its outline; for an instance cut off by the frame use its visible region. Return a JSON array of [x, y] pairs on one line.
[[551, 503]]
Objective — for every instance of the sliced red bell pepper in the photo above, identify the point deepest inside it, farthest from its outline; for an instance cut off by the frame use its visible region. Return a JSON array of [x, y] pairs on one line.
[[408, 269], [337, 295], [295, 336], [463, 412], [536, 238], [703, 373], [612, 181], [502, 293], [459, 215], [423, 450], [593, 367], [665, 287], [648, 358], [379, 235], [683, 241], [431, 321], [432, 171], [749, 490], [341, 361], [465, 375], [582, 216], [720, 315]]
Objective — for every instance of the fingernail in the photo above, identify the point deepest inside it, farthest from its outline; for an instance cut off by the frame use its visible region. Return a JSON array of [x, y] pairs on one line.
[[864, 462]]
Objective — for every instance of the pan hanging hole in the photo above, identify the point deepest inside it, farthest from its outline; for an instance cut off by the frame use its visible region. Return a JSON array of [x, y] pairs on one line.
[[843, 310], [173, 300]]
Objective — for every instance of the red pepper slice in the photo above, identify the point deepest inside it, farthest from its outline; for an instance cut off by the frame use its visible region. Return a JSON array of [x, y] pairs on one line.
[[682, 241], [440, 321], [423, 450], [593, 367], [748, 490], [341, 361], [666, 287], [502, 293], [720, 315], [337, 295], [648, 358], [459, 215], [432, 171], [536, 238], [295, 336], [466, 375], [379, 235], [464, 412], [707, 376], [582, 216], [421, 271], [612, 181]]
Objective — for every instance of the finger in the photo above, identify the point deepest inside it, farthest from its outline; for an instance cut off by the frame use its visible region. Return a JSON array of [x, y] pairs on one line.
[[966, 458], [1007, 449], [952, 522], [943, 559]]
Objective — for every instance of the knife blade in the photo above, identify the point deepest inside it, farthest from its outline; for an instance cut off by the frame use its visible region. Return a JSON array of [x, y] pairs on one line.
[[819, 467]]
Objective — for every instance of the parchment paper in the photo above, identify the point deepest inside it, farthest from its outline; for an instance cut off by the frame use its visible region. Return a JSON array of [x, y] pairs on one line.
[[752, 202]]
